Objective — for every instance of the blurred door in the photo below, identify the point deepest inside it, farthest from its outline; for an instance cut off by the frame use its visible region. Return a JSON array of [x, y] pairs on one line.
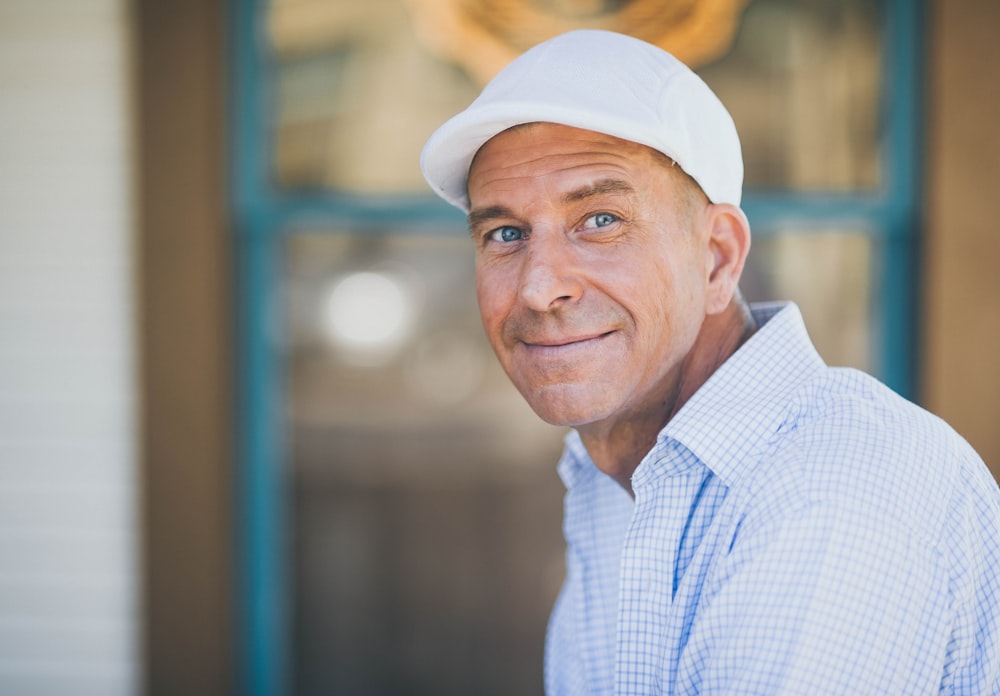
[[402, 511]]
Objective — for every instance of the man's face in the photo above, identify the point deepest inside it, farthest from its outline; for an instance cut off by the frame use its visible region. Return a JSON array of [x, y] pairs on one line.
[[591, 271]]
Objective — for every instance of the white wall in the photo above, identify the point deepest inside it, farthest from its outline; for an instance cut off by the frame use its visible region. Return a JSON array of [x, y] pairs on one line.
[[68, 534]]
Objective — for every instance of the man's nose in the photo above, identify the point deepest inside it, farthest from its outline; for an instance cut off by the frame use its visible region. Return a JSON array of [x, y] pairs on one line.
[[550, 276]]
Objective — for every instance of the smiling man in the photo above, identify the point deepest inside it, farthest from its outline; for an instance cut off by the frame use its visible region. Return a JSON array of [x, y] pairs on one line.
[[740, 518], [565, 278]]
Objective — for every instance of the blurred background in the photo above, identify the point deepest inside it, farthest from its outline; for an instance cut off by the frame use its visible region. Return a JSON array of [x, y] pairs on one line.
[[252, 439]]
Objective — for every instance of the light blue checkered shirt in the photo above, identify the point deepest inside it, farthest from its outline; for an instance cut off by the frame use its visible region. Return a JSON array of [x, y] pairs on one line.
[[796, 529]]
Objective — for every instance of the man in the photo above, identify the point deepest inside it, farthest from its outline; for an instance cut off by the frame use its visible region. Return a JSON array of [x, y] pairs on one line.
[[740, 518]]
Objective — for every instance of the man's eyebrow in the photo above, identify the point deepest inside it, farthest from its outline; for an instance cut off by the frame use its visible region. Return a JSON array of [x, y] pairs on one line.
[[600, 187], [481, 215]]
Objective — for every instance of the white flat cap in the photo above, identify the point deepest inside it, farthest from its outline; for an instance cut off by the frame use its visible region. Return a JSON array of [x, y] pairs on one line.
[[604, 82]]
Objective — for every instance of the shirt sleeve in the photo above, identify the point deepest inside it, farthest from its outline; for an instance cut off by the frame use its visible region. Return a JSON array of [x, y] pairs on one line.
[[827, 598]]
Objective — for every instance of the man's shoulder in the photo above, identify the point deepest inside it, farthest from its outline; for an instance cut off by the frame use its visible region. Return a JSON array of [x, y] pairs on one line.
[[851, 442], [845, 412]]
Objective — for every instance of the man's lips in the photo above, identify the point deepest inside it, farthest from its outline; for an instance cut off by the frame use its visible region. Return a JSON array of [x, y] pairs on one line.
[[559, 344]]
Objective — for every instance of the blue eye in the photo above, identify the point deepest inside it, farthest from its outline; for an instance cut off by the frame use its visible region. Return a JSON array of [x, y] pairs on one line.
[[506, 234], [604, 219]]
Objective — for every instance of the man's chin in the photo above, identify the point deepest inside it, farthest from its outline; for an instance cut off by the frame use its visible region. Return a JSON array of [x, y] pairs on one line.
[[569, 406]]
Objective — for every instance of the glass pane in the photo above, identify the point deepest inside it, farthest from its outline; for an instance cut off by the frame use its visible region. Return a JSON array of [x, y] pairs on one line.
[[360, 85], [357, 94], [802, 82], [427, 508], [829, 274]]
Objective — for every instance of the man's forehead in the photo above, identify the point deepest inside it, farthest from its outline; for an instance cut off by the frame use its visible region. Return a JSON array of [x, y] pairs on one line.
[[510, 148], [523, 141], [600, 187]]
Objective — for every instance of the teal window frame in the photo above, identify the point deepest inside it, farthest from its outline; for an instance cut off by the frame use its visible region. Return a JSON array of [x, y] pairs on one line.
[[262, 215]]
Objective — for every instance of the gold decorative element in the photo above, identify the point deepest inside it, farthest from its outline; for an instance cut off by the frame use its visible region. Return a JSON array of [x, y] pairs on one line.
[[484, 35]]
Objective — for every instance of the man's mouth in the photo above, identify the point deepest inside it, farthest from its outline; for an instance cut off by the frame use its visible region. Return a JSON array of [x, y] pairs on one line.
[[561, 344]]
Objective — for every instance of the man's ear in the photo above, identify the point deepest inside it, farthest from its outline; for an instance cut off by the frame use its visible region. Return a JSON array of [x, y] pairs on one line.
[[729, 243]]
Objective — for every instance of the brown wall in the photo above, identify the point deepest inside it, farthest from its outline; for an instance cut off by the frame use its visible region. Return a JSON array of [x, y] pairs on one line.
[[186, 348], [961, 370]]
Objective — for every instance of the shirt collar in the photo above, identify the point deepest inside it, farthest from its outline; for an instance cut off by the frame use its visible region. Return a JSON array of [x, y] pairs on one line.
[[739, 408], [575, 465], [746, 400]]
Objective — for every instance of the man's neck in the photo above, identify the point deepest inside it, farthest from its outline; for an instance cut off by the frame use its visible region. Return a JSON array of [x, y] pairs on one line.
[[617, 448]]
